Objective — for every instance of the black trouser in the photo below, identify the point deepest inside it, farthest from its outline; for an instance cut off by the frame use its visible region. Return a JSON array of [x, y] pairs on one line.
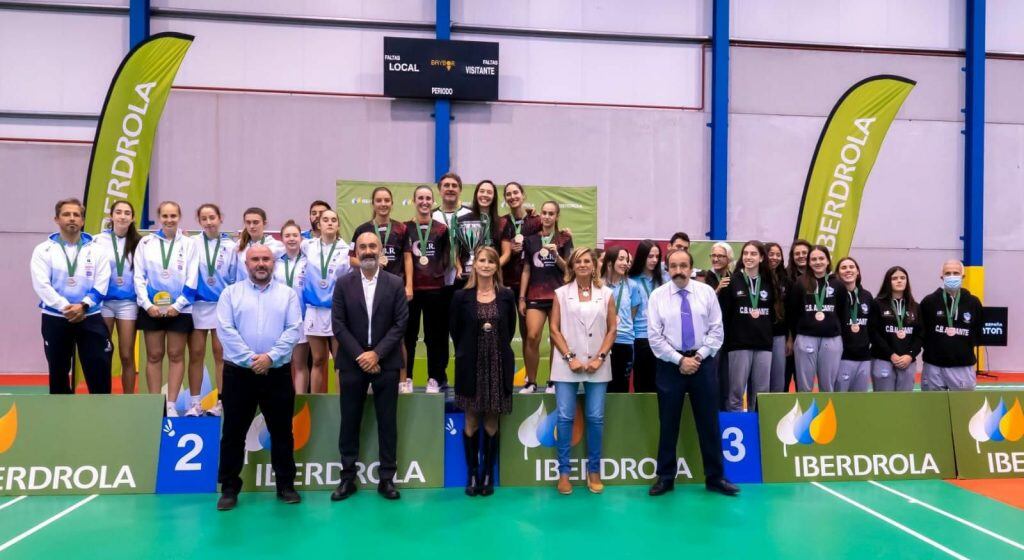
[[92, 340], [352, 385], [433, 305], [622, 362], [274, 393], [703, 389], [643, 366], [790, 371]]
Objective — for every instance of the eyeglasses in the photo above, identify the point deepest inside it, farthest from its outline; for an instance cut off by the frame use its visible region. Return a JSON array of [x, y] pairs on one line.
[[719, 257]]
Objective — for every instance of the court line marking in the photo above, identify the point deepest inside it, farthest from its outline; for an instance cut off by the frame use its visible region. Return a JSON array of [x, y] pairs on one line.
[[939, 511], [890, 521], [10, 503], [42, 525]]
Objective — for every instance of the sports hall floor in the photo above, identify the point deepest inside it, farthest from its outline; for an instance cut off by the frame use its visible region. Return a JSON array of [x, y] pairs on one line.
[[905, 519]]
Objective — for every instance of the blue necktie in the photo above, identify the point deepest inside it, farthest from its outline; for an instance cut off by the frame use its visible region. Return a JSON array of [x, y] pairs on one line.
[[689, 340]]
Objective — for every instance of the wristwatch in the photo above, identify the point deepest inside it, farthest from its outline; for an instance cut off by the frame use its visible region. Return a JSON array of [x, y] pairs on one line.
[[568, 356], [602, 356]]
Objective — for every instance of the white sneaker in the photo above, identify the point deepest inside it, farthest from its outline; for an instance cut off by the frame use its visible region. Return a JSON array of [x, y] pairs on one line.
[[528, 389], [194, 410], [405, 387], [432, 387], [172, 410], [551, 389], [216, 410]]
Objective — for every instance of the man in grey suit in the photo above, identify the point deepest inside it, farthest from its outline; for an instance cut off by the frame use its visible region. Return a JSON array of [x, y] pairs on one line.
[[369, 314]]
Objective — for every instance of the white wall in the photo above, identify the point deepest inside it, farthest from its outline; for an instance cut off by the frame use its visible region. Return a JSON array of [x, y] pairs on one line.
[[650, 165]]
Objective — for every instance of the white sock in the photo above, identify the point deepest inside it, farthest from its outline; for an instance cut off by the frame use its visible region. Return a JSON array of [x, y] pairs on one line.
[[196, 400]]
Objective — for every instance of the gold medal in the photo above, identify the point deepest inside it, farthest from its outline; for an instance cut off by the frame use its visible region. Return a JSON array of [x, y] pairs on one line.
[[855, 328], [901, 334], [544, 253], [755, 313], [819, 316], [424, 260], [950, 331]]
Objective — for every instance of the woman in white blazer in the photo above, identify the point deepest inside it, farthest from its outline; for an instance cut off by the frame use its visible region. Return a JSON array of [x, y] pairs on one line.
[[583, 324]]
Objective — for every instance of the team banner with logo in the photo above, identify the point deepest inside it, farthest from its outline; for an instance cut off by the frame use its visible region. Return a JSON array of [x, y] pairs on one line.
[[119, 166], [988, 433], [855, 436], [843, 158], [629, 451], [316, 425], [77, 444], [578, 205]]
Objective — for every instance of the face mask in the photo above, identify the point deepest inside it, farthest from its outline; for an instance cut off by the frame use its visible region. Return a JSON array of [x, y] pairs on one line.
[[952, 282]]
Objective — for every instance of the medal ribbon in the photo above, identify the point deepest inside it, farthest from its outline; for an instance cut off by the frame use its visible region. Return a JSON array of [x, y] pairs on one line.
[[118, 259], [323, 263], [820, 293], [211, 264], [289, 277], [424, 236], [72, 265], [855, 300], [952, 311], [166, 256], [900, 309], [755, 290]]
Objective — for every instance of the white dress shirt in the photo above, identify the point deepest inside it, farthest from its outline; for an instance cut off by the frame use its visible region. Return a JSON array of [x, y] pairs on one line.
[[369, 289], [664, 321]]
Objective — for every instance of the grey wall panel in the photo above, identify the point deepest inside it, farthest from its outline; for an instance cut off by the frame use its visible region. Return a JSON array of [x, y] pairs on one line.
[[281, 152], [804, 82], [650, 166]]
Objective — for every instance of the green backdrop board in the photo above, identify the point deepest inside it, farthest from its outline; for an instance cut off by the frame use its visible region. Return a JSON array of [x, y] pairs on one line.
[[988, 433], [315, 426], [76, 444], [578, 213], [855, 436], [629, 450]]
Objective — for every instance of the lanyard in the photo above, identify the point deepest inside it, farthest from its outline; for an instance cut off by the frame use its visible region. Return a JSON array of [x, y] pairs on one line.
[[952, 311], [820, 293], [323, 263], [643, 282], [755, 290], [72, 265], [118, 259], [618, 296], [211, 264], [165, 256], [387, 235], [855, 304], [424, 236], [289, 277], [899, 307], [517, 225], [546, 240]]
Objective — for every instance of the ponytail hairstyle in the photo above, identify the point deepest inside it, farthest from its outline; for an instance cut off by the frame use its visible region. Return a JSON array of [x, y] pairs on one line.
[[132, 236], [244, 239], [373, 213]]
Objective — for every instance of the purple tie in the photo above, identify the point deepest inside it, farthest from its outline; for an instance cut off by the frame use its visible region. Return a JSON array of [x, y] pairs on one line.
[[689, 341]]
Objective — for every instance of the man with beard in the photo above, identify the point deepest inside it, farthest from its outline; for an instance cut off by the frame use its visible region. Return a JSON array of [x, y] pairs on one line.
[[369, 314], [684, 326], [258, 325]]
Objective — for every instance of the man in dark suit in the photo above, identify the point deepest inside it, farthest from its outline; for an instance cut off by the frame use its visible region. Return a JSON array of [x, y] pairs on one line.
[[369, 314]]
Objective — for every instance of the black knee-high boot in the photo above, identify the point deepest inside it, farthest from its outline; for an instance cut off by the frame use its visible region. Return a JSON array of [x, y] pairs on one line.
[[471, 446], [486, 487]]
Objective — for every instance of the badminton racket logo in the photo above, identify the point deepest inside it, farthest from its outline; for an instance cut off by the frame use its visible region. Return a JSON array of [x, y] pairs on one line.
[[813, 426], [996, 424]]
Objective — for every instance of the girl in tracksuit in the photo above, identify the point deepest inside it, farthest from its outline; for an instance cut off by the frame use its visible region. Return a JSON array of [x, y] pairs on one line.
[[748, 305], [120, 310], [326, 261], [218, 268], [896, 334], [290, 270], [166, 277], [854, 305], [814, 323]]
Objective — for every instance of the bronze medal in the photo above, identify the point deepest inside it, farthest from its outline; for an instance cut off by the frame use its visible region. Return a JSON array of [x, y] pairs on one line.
[[901, 334], [950, 331], [424, 260], [119, 281], [165, 274], [518, 238], [211, 281], [544, 253], [819, 316], [855, 328], [755, 313], [323, 284], [72, 282]]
